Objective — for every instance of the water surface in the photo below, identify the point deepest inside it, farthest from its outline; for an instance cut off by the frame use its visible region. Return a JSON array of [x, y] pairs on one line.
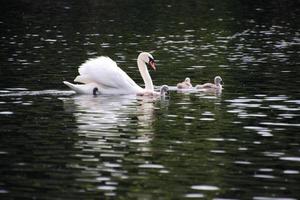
[[242, 144]]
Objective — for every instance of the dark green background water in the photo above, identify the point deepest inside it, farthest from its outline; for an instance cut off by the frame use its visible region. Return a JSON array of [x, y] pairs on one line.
[[244, 144]]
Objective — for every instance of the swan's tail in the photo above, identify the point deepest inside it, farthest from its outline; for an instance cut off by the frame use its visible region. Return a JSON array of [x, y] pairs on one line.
[[70, 85], [90, 88]]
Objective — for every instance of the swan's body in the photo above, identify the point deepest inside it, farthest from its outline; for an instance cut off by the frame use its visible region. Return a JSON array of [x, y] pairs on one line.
[[104, 74], [217, 85], [186, 84], [82, 88]]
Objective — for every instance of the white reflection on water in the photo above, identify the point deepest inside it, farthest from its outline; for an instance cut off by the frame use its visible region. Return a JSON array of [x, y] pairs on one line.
[[110, 112], [271, 113], [98, 113], [14, 92], [205, 187], [109, 128]]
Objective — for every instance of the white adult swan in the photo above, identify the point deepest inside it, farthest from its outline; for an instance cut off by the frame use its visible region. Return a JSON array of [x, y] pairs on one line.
[[102, 75]]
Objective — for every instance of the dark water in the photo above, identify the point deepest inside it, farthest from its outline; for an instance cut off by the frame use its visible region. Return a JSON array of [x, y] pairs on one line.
[[243, 144]]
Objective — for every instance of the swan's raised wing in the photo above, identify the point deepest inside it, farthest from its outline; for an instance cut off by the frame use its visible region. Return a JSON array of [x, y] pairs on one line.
[[105, 72]]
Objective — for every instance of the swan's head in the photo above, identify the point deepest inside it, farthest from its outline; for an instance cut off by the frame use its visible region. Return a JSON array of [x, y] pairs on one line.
[[148, 59], [187, 80], [218, 80], [164, 89]]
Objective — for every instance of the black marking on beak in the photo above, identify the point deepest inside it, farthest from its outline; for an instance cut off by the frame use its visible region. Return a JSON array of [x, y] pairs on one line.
[[152, 63], [151, 60]]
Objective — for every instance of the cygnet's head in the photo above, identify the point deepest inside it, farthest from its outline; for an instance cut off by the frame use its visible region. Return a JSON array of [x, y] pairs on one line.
[[187, 80], [218, 80], [164, 89]]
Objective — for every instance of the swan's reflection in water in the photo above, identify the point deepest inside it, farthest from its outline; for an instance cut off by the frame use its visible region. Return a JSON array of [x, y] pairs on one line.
[[113, 132], [98, 113]]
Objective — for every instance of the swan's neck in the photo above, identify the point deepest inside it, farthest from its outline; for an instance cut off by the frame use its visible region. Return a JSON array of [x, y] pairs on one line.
[[145, 75]]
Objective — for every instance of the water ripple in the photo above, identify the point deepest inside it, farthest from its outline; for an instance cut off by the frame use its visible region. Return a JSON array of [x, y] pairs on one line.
[[293, 159], [205, 187], [151, 166]]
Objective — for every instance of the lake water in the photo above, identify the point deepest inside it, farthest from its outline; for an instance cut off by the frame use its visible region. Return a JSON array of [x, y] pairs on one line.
[[242, 144]]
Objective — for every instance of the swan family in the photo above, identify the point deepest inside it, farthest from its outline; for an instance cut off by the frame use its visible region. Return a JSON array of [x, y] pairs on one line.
[[102, 75]]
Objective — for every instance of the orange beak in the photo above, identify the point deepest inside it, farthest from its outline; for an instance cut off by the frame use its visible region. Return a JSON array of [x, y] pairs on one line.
[[152, 64]]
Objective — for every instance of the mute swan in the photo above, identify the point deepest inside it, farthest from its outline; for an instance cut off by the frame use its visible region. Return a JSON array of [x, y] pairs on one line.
[[210, 86], [186, 84], [102, 75]]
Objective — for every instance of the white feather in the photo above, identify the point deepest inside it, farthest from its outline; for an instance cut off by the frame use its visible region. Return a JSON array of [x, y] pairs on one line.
[[82, 88], [104, 72]]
